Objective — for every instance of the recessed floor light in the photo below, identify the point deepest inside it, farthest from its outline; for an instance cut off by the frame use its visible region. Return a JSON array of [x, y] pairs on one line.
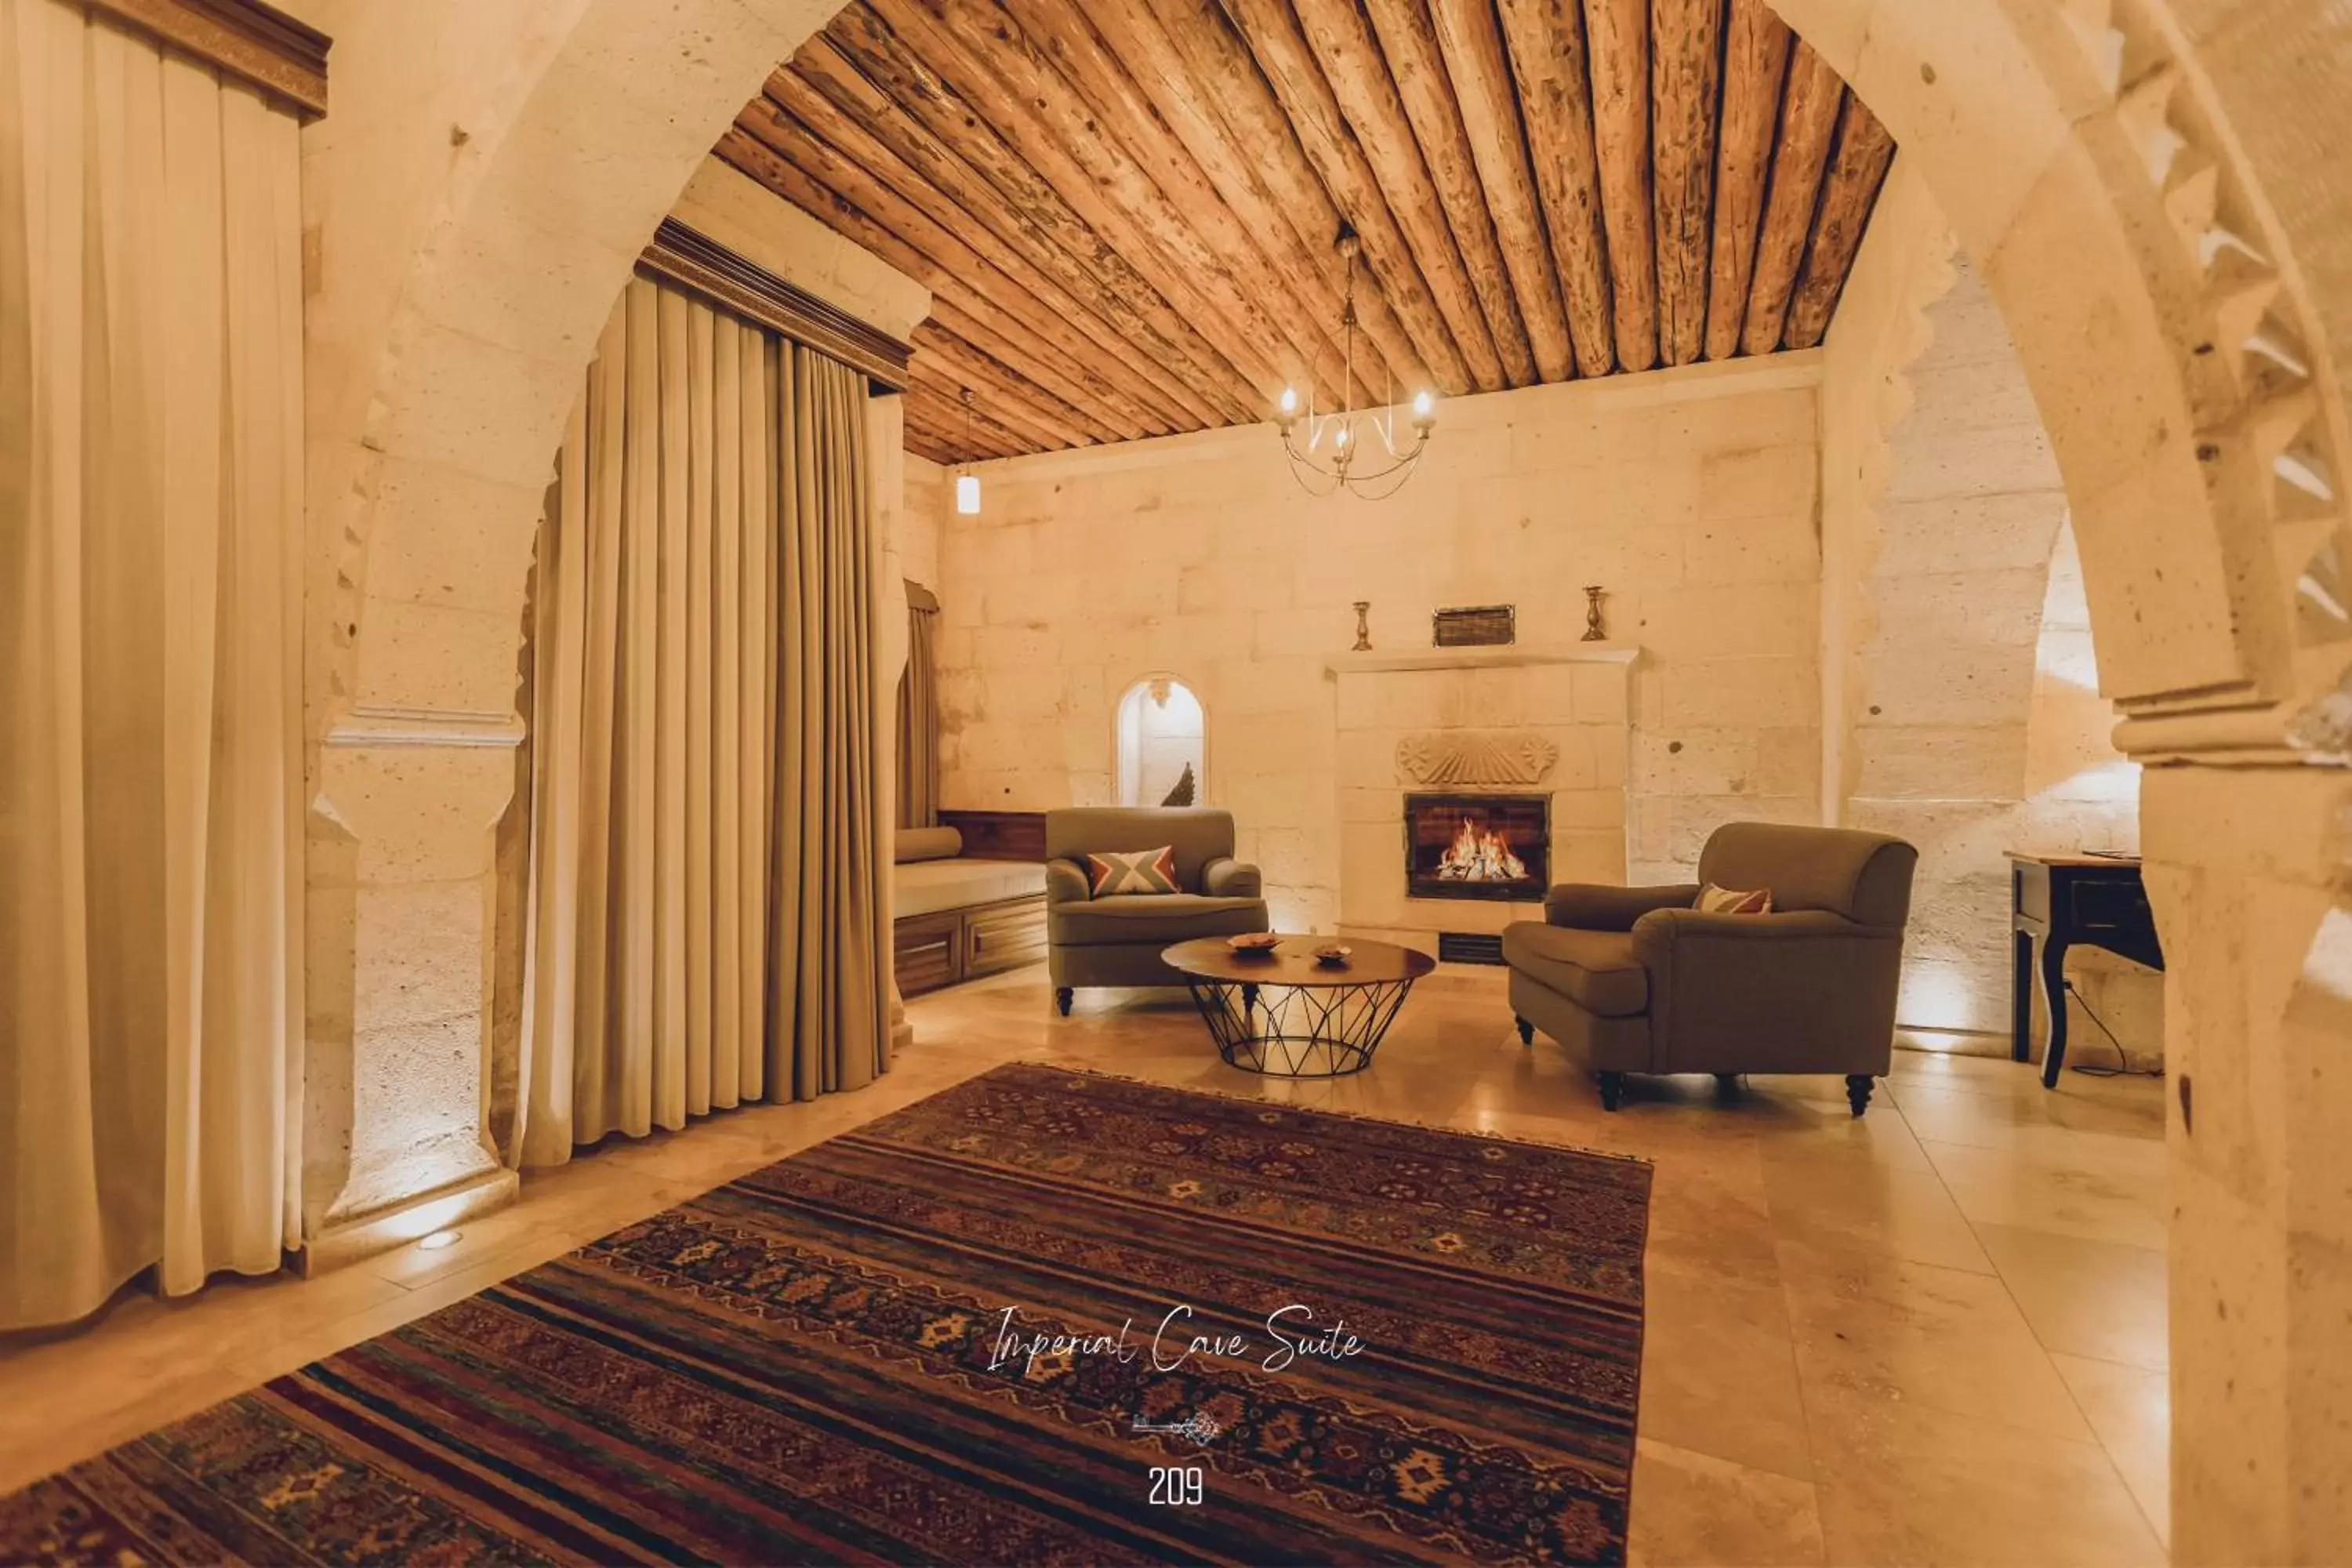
[[439, 1239]]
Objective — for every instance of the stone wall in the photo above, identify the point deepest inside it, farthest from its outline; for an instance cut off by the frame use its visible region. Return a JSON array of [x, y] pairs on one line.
[[1688, 494], [1957, 664], [2080, 791], [929, 496]]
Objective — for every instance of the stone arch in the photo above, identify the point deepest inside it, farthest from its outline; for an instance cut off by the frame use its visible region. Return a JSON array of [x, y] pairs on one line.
[[489, 172]]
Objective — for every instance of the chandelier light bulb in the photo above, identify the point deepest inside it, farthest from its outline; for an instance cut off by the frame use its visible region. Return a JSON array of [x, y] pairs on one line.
[[1324, 467], [967, 495]]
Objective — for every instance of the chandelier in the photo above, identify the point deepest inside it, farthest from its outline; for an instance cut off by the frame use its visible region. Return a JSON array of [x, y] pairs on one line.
[[1324, 460]]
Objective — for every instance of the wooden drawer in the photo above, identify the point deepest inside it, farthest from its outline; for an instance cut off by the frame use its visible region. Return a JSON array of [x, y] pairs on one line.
[[928, 950], [941, 949], [1005, 935]]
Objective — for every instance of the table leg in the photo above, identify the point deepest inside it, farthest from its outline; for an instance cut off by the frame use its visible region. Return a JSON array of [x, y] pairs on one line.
[[2021, 996], [2054, 996]]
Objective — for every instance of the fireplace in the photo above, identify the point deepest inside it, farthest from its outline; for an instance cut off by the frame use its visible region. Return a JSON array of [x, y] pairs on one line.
[[1477, 847]]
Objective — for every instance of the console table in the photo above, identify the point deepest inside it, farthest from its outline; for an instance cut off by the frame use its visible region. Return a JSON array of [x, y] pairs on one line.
[[2055, 901]]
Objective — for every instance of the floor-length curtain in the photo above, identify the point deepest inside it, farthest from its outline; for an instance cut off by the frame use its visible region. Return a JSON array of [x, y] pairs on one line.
[[919, 713], [702, 760], [150, 426], [827, 1002]]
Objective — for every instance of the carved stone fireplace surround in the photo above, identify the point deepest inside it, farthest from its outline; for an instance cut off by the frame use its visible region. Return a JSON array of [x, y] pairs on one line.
[[1510, 720]]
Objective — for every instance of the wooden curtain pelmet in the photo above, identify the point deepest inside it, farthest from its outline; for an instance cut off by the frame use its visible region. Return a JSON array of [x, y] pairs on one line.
[[256, 43], [695, 262]]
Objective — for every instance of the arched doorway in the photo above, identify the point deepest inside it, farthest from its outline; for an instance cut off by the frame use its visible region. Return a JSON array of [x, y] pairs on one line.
[[2147, 189]]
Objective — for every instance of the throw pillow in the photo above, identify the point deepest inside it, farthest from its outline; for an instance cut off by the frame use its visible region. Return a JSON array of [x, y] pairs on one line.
[[1143, 871], [1715, 901]]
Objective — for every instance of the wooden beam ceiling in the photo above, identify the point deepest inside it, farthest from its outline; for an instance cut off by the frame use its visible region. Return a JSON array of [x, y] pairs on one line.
[[1126, 209]]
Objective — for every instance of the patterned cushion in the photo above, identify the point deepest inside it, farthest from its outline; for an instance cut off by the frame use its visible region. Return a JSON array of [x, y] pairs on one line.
[[1715, 901], [1141, 871]]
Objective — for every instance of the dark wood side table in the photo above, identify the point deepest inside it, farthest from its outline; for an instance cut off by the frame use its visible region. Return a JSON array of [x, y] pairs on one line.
[[2055, 901]]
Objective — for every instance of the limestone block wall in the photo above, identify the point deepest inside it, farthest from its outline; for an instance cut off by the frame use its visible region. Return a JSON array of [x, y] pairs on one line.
[[928, 498], [2080, 790], [1957, 657], [1688, 494]]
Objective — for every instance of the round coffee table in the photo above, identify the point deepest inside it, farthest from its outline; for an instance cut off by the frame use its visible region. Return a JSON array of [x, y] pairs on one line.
[[1287, 1016]]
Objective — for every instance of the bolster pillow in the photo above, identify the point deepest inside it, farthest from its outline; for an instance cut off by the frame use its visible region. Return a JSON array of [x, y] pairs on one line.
[[927, 844]]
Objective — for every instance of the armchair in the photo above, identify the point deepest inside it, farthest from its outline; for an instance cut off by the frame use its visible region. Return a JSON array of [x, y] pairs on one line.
[[1637, 980], [1116, 940]]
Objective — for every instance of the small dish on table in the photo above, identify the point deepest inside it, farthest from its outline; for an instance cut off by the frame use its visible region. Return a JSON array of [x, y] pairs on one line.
[[1255, 944], [1333, 954]]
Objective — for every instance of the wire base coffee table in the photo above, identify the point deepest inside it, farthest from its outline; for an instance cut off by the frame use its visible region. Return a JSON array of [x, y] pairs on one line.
[[1285, 1014]]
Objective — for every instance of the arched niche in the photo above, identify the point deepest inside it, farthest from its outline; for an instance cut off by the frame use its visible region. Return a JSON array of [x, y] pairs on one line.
[[1160, 737]]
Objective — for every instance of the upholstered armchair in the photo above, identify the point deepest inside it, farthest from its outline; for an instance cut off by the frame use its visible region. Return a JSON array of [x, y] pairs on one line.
[[1116, 939], [1639, 979]]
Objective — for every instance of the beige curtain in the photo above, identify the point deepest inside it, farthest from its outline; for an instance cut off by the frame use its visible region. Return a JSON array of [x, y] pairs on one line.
[[919, 713], [151, 424], [702, 860]]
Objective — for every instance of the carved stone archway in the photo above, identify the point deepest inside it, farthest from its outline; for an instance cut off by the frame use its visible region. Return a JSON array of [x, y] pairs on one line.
[[2148, 188]]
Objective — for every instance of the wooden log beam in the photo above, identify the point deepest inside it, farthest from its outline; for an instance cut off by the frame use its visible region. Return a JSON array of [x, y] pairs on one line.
[[1470, 45], [1331, 87], [889, 93], [1438, 309], [1755, 59], [1393, 87], [1032, 106], [968, 434], [1267, 186], [1011, 343], [1546, 39], [925, 443], [1210, 57], [958, 277], [1857, 168], [1004, 279], [1685, 61], [1809, 116], [808, 99], [1305, 307], [1036, 430], [1009, 389], [1617, 36]]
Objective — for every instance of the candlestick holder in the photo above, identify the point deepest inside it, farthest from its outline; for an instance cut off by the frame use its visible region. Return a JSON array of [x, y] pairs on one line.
[[1593, 630], [1364, 629]]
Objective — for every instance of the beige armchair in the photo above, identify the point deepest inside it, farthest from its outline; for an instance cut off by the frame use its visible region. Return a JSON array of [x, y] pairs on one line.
[[1636, 980], [1116, 940]]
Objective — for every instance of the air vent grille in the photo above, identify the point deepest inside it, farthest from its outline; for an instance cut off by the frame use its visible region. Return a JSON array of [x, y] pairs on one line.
[[1469, 947]]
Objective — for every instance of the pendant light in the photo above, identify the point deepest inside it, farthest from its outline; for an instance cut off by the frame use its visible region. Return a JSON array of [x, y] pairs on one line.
[[967, 485]]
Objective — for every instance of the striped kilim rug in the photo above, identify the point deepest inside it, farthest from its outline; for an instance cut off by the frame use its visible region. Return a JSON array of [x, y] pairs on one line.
[[1042, 1317]]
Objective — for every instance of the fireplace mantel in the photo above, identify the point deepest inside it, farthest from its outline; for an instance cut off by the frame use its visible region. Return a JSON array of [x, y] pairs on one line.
[[1512, 722], [1365, 663]]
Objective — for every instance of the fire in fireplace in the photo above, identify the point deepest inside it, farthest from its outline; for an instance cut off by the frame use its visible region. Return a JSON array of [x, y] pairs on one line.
[[1477, 845]]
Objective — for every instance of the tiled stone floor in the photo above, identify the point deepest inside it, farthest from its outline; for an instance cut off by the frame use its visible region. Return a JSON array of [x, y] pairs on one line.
[[1933, 1335]]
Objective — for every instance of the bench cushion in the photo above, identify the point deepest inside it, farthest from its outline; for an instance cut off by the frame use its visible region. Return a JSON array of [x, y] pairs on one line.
[[927, 887]]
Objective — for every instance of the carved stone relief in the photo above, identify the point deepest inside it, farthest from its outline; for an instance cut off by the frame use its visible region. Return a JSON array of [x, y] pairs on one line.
[[1476, 757]]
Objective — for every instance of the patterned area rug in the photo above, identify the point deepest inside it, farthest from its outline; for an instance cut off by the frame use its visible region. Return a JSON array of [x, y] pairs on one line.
[[1237, 1333]]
